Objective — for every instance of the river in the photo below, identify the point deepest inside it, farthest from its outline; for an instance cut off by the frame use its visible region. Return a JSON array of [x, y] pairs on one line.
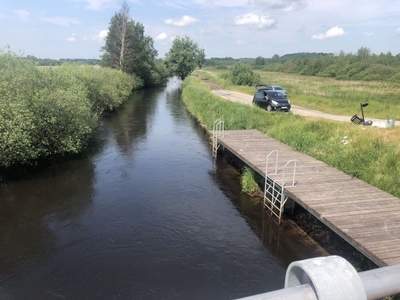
[[145, 213]]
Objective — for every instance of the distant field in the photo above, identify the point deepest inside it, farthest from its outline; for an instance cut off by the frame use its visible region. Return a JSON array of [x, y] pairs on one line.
[[329, 95]]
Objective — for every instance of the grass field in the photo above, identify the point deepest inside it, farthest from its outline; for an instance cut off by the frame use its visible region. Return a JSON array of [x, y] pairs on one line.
[[368, 153], [327, 94]]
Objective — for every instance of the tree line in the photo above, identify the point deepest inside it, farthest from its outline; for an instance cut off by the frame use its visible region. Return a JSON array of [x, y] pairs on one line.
[[48, 62], [363, 65]]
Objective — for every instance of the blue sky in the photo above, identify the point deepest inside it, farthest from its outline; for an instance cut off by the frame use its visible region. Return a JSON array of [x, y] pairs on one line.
[[224, 28]]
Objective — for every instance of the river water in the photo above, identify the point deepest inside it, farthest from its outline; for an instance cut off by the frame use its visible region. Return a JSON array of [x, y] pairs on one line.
[[146, 213]]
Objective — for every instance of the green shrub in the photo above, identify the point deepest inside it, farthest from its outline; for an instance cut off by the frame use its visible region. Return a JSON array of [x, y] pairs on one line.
[[106, 88], [330, 71], [249, 185], [242, 74], [377, 72], [47, 112], [395, 77]]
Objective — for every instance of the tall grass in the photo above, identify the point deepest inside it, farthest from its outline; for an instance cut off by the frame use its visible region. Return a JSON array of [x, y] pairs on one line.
[[370, 154], [328, 94], [249, 185]]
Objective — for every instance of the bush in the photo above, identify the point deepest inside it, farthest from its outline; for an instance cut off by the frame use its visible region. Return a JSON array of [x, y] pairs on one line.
[[106, 88], [242, 74], [330, 71], [395, 77], [377, 72], [47, 112], [249, 185]]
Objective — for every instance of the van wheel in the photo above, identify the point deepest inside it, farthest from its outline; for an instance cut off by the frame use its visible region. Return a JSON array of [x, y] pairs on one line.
[[269, 107]]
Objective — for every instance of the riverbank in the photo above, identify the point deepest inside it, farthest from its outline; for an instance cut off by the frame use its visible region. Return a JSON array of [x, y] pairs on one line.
[[302, 135], [47, 113], [367, 153]]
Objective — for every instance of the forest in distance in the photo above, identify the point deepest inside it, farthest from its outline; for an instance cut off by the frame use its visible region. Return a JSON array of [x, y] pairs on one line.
[[362, 65]]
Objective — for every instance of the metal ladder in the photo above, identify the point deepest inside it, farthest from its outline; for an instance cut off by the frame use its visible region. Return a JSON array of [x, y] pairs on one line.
[[218, 130], [274, 190]]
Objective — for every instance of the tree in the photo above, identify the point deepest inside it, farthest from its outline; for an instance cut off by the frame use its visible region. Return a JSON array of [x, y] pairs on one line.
[[363, 53], [128, 49], [260, 61], [117, 48], [183, 57], [241, 74]]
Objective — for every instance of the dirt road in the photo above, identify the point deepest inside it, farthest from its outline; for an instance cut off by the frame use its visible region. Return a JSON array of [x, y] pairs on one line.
[[247, 99]]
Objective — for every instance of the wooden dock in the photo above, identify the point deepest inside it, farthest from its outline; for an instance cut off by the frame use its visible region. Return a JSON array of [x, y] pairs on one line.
[[365, 216]]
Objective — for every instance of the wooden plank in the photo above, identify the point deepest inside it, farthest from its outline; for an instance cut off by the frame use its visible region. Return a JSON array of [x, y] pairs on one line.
[[365, 216]]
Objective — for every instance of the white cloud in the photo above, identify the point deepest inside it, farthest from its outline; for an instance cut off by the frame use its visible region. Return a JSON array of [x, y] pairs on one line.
[[99, 37], [368, 33], [161, 37], [66, 22], [71, 39], [102, 34], [185, 21], [22, 14], [333, 32], [99, 4], [254, 20]]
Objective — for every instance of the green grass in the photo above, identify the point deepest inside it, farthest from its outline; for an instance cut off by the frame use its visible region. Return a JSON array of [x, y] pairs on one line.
[[327, 94], [370, 154], [249, 185]]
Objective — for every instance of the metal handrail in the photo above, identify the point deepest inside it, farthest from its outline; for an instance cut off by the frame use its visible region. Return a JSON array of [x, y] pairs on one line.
[[294, 172], [276, 162], [334, 278], [218, 130]]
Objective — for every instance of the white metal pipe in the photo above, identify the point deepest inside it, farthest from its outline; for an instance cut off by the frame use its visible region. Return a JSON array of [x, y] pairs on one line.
[[381, 282], [303, 292], [373, 284]]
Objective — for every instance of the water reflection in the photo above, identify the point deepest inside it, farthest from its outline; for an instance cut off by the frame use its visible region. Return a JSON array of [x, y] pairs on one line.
[[286, 241], [134, 118], [144, 215], [29, 208]]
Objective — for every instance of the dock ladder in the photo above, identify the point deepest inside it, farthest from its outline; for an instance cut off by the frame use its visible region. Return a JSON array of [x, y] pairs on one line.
[[218, 130], [274, 188]]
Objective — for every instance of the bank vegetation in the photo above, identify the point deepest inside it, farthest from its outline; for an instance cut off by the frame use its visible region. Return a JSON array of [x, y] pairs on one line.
[[51, 112], [368, 153]]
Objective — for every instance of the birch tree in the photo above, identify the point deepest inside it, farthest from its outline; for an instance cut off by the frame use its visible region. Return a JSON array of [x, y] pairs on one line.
[[129, 50], [117, 48]]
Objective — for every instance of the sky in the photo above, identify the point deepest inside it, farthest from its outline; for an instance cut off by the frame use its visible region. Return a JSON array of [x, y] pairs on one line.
[[223, 28]]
